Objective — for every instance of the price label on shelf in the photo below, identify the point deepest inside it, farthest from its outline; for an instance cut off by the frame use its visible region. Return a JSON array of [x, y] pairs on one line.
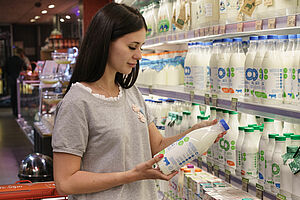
[[291, 21], [216, 30], [280, 197], [206, 31], [240, 27], [227, 176], [214, 100], [222, 29], [202, 31], [258, 25], [234, 102], [245, 184], [206, 99], [271, 23], [259, 191], [216, 170], [196, 33], [211, 30], [268, 2], [209, 167]]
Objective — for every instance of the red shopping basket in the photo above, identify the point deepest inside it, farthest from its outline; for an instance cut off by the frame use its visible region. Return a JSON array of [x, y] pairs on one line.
[[28, 190]]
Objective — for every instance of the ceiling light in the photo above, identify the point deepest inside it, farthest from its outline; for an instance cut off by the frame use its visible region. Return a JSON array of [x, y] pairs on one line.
[[44, 11], [68, 17], [32, 20], [37, 17], [51, 6], [62, 20]]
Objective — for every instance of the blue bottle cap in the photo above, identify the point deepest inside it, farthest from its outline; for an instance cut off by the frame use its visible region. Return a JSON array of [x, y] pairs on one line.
[[292, 36], [262, 37], [227, 40], [272, 37], [283, 37], [237, 39], [298, 35], [224, 124], [253, 38]]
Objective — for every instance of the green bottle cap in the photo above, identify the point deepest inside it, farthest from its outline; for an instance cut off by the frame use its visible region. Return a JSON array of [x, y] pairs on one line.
[[256, 127], [288, 135], [195, 104], [291, 149], [280, 138], [204, 118], [233, 112], [268, 120], [252, 125], [295, 137], [272, 136], [241, 128], [248, 130], [219, 109], [261, 129], [212, 108], [199, 117], [202, 112], [225, 111]]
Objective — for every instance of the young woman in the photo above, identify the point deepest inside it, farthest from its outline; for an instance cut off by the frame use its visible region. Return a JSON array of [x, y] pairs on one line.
[[104, 138]]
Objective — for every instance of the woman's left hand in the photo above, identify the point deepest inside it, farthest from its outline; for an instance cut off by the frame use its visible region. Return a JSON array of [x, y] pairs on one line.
[[208, 123]]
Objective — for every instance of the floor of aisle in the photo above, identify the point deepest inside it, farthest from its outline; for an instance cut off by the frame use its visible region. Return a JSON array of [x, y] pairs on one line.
[[14, 147]]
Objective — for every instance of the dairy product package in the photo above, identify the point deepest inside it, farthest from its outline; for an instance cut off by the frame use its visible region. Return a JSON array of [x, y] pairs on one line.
[[190, 147]]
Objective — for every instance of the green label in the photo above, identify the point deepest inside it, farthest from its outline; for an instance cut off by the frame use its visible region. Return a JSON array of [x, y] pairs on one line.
[[275, 169], [280, 197], [163, 26], [259, 187]]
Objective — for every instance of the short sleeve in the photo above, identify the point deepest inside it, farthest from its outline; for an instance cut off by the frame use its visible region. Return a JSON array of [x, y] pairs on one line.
[[70, 132]]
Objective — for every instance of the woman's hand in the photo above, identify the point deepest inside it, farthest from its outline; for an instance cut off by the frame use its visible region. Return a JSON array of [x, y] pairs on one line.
[[145, 170], [208, 123]]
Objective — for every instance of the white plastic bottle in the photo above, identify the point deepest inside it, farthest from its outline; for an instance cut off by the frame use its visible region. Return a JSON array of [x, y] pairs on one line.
[[239, 145], [206, 63], [213, 63], [210, 151], [185, 121], [288, 58], [249, 64], [251, 119], [263, 144], [230, 141], [198, 71], [189, 147], [277, 162], [269, 153], [195, 112], [187, 66], [243, 119], [237, 68], [288, 138], [223, 67], [288, 127], [278, 127], [257, 70], [272, 88], [296, 73]]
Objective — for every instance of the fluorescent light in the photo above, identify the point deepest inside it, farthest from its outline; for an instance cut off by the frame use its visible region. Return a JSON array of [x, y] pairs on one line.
[[32, 20], [44, 11], [51, 6], [62, 20], [37, 17], [68, 17]]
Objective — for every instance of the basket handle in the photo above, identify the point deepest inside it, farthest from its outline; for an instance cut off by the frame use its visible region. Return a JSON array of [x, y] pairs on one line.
[[23, 181]]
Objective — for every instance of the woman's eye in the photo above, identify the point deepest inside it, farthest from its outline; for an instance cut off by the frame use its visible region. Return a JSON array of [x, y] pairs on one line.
[[132, 48]]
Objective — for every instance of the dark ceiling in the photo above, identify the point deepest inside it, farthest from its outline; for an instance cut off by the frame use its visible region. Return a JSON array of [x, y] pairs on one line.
[[21, 11]]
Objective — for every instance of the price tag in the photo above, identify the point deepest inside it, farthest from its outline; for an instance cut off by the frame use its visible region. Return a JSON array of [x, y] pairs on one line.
[[214, 100], [216, 170], [280, 197], [222, 29], [192, 95], [227, 176], [271, 23], [258, 25], [185, 35], [206, 99], [268, 2], [206, 31], [209, 167], [211, 30], [291, 21], [216, 30], [240, 27], [202, 32], [196, 33], [245, 184], [234, 102], [259, 191]]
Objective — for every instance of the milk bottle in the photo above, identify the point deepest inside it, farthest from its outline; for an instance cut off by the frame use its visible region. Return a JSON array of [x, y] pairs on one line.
[[198, 70], [210, 152], [217, 148], [213, 63], [236, 64], [249, 64], [257, 70], [243, 119], [288, 69], [269, 153], [185, 124], [230, 140], [296, 75], [272, 89], [189, 147], [263, 144], [223, 67], [187, 66], [239, 145], [195, 113], [288, 138], [206, 60], [288, 127], [277, 162], [278, 126]]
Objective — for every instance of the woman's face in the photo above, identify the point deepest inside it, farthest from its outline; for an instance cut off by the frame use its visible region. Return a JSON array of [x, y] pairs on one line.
[[126, 51]]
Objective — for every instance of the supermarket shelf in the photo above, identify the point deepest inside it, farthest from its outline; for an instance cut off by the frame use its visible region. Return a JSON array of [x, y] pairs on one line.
[[27, 130], [283, 112], [283, 25]]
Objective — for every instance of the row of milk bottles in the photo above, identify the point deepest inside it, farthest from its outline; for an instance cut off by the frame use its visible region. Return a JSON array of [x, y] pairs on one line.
[[252, 149], [177, 15], [269, 73]]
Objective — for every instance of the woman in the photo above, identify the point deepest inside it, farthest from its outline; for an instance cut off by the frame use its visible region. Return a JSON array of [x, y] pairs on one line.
[[104, 137]]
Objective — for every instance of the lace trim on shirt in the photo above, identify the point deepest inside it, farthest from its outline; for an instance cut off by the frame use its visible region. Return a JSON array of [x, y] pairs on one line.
[[100, 96]]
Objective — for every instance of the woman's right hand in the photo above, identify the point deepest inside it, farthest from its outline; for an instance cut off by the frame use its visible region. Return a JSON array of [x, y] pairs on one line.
[[145, 170]]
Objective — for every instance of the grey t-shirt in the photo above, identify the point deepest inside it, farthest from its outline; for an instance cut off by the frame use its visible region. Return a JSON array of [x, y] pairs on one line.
[[109, 136]]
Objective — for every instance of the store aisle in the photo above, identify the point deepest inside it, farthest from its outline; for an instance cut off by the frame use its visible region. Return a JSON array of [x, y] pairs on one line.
[[14, 146]]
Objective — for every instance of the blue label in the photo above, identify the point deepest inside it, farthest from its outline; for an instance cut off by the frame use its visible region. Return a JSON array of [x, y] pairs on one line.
[[299, 76], [249, 74], [261, 176], [277, 185], [254, 74], [221, 73], [187, 70]]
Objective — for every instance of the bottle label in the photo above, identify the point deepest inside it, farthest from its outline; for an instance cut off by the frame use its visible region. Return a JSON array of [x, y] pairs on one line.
[[249, 165], [248, 80], [230, 153], [237, 80], [163, 25], [289, 75], [272, 84], [261, 165], [223, 78], [276, 174], [198, 77]]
